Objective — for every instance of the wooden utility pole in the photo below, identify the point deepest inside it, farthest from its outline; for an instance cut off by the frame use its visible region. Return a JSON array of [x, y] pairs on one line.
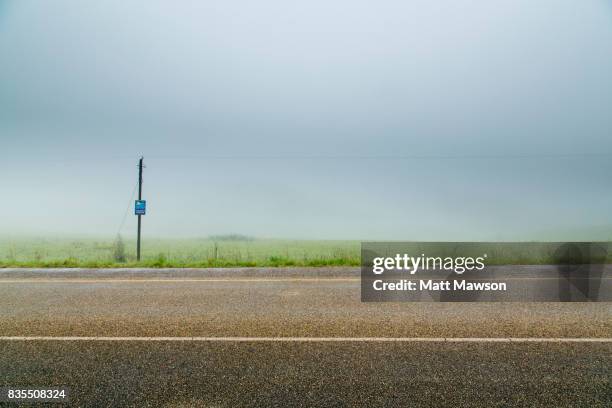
[[139, 215]]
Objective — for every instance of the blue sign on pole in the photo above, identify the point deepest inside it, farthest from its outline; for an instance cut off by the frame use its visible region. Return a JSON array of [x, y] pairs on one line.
[[141, 207]]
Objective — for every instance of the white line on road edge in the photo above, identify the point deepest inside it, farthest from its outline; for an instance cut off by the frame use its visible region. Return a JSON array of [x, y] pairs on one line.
[[325, 339], [235, 280], [178, 280]]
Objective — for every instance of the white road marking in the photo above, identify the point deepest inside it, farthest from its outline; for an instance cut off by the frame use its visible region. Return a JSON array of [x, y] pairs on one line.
[[179, 280], [239, 280], [323, 339]]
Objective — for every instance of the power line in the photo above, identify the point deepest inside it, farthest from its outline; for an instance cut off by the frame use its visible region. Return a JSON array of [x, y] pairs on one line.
[[127, 210], [356, 157], [385, 157]]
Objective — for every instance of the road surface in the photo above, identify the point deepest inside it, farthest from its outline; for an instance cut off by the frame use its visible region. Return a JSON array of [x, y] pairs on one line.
[[290, 337]]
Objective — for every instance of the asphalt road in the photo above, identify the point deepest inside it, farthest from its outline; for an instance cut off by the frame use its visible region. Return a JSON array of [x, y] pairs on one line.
[[290, 303]]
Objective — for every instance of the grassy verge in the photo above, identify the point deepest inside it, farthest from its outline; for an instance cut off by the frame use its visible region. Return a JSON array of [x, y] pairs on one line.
[[179, 253], [238, 251], [164, 263]]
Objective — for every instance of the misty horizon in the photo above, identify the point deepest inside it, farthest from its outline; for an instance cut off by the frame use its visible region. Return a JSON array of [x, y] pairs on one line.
[[350, 120]]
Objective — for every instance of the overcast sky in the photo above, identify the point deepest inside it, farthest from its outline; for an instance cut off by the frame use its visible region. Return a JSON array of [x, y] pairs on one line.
[[315, 119]]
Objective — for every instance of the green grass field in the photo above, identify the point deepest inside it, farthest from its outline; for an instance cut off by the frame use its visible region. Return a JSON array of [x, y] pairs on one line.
[[237, 251], [205, 252]]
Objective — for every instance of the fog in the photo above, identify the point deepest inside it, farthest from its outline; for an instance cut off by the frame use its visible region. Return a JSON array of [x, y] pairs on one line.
[[425, 120]]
